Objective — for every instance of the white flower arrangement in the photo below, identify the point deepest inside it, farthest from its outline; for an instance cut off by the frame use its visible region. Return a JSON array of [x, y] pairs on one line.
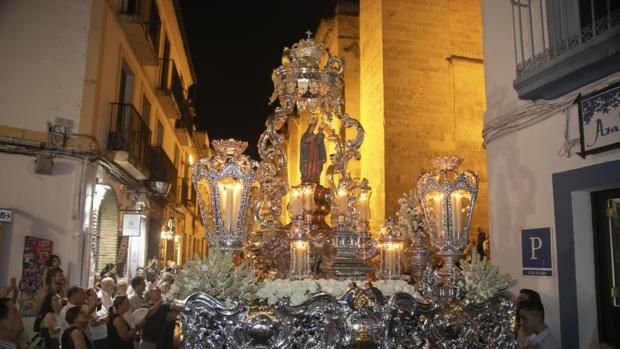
[[217, 276], [298, 291], [410, 215], [391, 287], [482, 280]]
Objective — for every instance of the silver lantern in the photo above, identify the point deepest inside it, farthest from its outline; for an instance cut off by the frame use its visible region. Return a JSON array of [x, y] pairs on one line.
[[224, 190], [448, 198]]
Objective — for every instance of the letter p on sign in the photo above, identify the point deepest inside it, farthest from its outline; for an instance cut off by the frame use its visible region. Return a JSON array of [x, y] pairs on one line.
[[536, 248]]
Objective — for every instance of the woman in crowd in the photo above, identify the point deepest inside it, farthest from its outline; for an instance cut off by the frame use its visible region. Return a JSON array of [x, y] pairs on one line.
[[74, 337], [50, 324], [97, 325], [121, 287], [120, 335], [109, 270]]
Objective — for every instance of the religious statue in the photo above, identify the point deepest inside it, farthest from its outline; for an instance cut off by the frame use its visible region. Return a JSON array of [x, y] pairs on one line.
[[312, 155]]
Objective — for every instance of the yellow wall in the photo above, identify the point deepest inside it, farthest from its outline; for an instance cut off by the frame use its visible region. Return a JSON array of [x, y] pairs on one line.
[[422, 92], [372, 105]]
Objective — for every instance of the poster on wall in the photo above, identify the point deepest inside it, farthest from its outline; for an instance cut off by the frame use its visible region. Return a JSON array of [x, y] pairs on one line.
[[599, 121], [36, 254]]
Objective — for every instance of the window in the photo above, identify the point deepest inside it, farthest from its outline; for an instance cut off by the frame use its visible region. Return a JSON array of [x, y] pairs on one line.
[[146, 109], [159, 134]]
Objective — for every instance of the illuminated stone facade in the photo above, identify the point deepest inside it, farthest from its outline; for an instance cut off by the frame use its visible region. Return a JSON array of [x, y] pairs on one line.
[[414, 76]]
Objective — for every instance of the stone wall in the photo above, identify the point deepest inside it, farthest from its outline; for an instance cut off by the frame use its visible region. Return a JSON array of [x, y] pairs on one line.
[[430, 95]]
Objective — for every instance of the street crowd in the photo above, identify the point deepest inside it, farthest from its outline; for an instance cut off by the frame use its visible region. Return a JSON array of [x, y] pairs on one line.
[[115, 313]]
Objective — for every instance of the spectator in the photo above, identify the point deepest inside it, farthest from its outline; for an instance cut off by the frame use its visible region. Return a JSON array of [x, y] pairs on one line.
[[136, 299], [525, 295], [11, 325], [155, 319], [121, 287], [74, 337], [165, 288], [166, 276], [120, 335], [98, 318], [109, 270], [140, 272], [50, 325], [76, 297], [55, 282], [532, 318], [107, 289]]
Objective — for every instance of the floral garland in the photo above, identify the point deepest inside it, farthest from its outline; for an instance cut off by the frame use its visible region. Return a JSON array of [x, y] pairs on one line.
[[482, 280], [298, 291]]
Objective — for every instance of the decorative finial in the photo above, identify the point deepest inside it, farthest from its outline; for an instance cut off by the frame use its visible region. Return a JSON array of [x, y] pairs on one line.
[[309, 33], [229, 147]]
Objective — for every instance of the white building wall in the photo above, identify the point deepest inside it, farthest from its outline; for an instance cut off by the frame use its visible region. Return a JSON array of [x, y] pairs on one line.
[[520, 169], [44, 206], [43, 61]]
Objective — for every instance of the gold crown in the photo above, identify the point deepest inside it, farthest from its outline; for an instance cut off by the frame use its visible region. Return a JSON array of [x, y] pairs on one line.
[[308, 49], [229, 147]]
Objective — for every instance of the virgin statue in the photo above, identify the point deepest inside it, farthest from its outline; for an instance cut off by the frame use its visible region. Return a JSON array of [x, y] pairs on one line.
[[312, 155]]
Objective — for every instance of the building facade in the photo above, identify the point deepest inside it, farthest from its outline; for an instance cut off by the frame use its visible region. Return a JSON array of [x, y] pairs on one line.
[[540, 57], [97, 135]]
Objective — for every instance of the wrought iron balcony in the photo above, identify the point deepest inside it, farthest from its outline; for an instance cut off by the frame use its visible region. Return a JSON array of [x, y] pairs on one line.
[[562, 45], [170, 89], [163, 172], [129, 140], [142, 24]]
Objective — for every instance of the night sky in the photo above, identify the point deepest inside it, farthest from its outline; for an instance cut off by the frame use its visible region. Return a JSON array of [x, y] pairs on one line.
[[235, 45]]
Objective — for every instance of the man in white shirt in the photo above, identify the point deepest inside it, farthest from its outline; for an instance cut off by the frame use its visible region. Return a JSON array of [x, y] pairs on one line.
[[532, 318], [107, 288], [11, 325], [76, 297]]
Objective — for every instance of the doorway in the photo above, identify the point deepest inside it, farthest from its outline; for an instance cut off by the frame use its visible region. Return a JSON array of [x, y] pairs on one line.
[[606, 217]]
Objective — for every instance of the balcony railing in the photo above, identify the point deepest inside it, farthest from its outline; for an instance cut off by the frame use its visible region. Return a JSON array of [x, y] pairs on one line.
[[551, 38], [163, 172], [146, 14], [131, 134]]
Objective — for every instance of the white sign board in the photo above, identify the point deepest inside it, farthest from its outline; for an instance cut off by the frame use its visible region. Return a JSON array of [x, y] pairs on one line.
[[6, 215], [131, 223], [599, 121]]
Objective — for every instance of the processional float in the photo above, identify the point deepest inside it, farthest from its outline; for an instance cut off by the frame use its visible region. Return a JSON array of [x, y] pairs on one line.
[[328, 242]]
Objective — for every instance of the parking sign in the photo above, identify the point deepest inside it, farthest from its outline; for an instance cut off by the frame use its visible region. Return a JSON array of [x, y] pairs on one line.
[[536, 251]]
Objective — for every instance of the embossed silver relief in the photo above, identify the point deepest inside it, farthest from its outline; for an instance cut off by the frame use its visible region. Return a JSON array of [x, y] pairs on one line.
[[360, 317]]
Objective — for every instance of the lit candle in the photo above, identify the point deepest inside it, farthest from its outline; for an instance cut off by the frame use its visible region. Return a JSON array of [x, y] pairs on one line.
[[236, 204], [438, 210], [308, 198], [455, 203], [341, 201], [363, 207], [296, 206], [300, 252]]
